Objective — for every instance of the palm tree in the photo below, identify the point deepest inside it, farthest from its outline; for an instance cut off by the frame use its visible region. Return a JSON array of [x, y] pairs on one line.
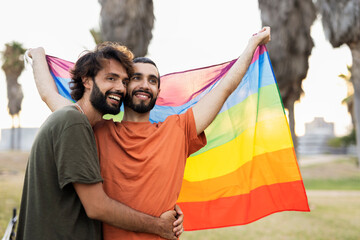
[[341, 22], [290, 48], [129, 22], [349, 100], [96, 34], [13, 66]]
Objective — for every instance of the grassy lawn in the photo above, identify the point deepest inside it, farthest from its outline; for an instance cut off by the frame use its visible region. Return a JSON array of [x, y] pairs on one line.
[[338, 175], [12, 169], [333, 216], [330, 218]]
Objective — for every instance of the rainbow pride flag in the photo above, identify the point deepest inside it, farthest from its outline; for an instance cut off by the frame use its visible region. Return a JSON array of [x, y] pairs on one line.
[[248, 169]]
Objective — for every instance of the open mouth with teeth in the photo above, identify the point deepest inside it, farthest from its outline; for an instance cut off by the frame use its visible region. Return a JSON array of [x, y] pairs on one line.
[[114, 99], [142, 96]]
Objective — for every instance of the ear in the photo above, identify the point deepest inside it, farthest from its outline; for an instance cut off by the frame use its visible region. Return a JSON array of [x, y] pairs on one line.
[[87, 82]]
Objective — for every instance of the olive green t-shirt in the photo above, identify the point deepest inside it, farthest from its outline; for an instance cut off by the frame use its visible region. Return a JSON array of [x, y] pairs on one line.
[[64, 152]]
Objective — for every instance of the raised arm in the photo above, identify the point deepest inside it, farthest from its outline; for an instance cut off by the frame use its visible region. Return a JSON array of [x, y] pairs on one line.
[[216, 98], [45, 82], [100, 207]]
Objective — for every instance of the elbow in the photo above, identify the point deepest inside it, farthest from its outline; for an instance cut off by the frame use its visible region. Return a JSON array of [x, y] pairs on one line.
[[92, 215], [44, 98], [93, 212]]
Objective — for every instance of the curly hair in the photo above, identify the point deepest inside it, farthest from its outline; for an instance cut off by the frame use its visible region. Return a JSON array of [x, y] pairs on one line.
[[91, 62]]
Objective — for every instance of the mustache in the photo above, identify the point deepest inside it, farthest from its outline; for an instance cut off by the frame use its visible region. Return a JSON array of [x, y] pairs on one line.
[[142, 91]]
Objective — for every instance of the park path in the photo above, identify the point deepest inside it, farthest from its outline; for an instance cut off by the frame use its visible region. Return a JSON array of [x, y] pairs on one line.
[[306, 160], [333, 193]]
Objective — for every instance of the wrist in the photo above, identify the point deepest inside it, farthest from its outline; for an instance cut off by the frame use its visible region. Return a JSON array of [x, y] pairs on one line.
[[253, 42], [160, 225], [251, 47], [38, 53]]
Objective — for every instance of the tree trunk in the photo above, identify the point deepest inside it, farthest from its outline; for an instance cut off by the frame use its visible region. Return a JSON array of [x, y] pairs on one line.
[[14, 93], [19, 140], [292, 124], [129, 22], [12, 137], [355, 78]]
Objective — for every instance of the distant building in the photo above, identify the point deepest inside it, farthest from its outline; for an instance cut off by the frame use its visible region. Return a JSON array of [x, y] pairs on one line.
[[17, 138], [317, 134]]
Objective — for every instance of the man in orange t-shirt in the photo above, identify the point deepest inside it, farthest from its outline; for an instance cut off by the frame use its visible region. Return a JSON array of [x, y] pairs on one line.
[[143, 163]]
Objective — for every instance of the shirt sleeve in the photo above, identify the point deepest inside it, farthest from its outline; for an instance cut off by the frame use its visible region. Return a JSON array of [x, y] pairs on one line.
[[195, 142], [76, 157]]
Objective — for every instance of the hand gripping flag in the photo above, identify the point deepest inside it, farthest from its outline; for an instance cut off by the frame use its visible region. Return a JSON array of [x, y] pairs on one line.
[[248, 169]]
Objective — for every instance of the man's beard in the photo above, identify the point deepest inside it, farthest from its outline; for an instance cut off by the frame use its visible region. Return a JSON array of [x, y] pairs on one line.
[[98, 101], [141, 107]]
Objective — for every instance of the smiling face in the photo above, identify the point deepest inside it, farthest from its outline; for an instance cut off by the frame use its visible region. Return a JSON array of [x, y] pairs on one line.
[[108, 87], [142, 89]]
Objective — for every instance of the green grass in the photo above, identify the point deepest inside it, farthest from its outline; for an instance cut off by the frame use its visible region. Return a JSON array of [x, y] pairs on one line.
[[12, 169], [330, 218], [333, 184], [338, 175]]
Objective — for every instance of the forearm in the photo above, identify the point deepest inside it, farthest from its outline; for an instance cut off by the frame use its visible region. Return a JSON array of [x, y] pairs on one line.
[[237, 71], [100, 207], [119, 215], [45, 83], [216, 98]]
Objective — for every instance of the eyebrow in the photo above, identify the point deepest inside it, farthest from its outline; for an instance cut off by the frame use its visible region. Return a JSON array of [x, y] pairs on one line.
[[113, 74], [154, 76], [151, 75]]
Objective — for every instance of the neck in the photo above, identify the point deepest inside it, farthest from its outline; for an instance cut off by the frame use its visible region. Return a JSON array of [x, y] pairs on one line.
[[90, 112], [132, 116]]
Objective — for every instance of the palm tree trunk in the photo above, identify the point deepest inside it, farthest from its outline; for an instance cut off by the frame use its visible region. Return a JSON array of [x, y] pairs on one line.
[[18, 133], [292, 125], [355, 78], [12, 140]]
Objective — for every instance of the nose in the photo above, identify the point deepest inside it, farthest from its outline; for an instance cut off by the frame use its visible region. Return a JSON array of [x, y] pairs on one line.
[[144, 84]]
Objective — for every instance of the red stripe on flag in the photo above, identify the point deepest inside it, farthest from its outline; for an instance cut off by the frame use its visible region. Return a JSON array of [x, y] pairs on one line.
[[244, 209]]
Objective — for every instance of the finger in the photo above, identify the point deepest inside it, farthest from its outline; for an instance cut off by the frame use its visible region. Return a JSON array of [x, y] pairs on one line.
[[28, 57], [178, 210], [173, 212], [179, 220], [177, 228], [178, 233], [29, 52]]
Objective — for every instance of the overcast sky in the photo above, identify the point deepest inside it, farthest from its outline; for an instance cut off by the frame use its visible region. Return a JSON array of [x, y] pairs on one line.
[[187, 34]]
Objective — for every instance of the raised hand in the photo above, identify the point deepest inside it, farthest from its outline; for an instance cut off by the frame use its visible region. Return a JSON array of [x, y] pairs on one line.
[[262, 37]]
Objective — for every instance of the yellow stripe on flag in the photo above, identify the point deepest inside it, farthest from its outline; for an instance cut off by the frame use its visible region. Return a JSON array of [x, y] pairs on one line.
[[271, 135], [250, 176]]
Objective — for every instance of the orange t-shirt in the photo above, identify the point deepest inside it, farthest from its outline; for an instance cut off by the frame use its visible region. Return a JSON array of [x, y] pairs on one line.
[[142, 164]]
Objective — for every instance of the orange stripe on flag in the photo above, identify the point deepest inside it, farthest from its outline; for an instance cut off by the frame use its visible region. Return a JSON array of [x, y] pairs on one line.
[[266, 169]]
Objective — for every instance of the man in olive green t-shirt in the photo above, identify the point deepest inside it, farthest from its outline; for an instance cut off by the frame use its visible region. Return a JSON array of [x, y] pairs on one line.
[[63, 152], [63, 197]]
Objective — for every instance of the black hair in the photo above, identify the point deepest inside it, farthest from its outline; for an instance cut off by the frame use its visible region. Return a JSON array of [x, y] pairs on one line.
[[147, 60]]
